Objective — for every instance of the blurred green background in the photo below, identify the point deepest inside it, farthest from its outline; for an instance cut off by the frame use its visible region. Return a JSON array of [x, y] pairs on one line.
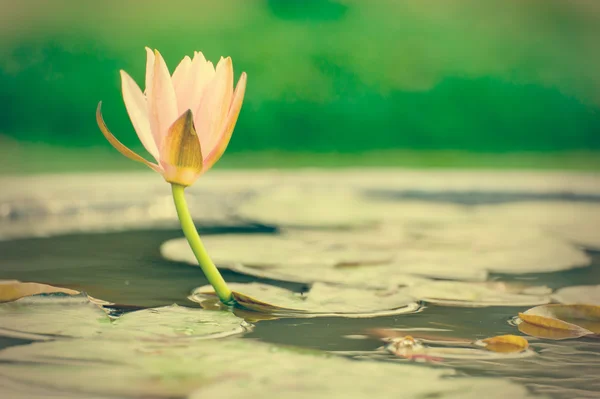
[[463, 83]]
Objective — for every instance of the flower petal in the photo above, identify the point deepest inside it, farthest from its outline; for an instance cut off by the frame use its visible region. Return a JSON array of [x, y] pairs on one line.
[[223, 139], [118, 145], [149, 71], [181, 83], [162, 102], [202, 73], [214, 105], [137, 108], [180, 153]]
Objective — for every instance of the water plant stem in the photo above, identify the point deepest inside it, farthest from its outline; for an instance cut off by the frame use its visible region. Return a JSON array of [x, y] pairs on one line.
[[189, 230]]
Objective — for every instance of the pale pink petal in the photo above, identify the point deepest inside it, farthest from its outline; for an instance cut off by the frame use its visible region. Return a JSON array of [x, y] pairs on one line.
[[135, 102], [119, 146], [181, 83], [202, 72], [162, 102], [149, 70], [212, 111], [225, 135]]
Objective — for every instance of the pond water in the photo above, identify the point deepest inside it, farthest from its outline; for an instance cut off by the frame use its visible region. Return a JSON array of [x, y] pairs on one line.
[[123, 264]]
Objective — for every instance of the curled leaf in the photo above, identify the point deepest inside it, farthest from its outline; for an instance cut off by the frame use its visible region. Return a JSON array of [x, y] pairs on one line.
[[505, 344], [11, 290], [561, 321]]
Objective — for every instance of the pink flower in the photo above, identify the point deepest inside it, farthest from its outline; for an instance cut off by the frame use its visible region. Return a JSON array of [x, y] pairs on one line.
[[185, 121]]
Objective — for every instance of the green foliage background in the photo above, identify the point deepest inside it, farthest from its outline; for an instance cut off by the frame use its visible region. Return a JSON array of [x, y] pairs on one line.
[[349, 77]]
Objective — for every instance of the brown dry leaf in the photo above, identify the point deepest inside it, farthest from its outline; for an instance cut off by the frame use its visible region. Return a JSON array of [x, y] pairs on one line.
[[561, 321], [11, 290], [506, 344]]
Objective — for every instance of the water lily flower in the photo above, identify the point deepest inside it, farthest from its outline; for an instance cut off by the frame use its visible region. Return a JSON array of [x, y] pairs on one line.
[[184, 121]]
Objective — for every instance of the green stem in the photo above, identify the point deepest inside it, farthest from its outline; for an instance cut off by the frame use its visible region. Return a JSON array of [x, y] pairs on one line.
[[189, 230]]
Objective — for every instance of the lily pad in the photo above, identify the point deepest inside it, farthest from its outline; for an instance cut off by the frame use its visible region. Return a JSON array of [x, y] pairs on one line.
[[232, 369], [51, 316], [493, 247], [59, 316], [322, 300], [457, 293], [575, 221], [581, 294], [561, 321], [51, 205], [389, 255], [307, 206], [11, 290]]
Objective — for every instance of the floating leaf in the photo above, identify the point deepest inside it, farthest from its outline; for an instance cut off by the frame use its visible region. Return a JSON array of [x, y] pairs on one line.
[[177, 322], [561, 321], [387, 256], [581, 294], [575, 221], [457, 293], [307, 206], [297, 260], [111, 202], [514, 249], [49, 317], [11, 290], [321, 301], [268, 251], [505, 344], [234, 368]]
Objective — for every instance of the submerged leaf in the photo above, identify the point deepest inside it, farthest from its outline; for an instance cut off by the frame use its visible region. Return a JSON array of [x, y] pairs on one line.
[[561, 321], [11, 290], [321, 301]]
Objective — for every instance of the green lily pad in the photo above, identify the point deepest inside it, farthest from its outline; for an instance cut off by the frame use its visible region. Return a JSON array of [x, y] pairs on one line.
[[58, 316], [233, 368], [391, 255], [574, 221], [322, 300], [44, 317], [457, 293], [498, 248], [580, 294], [52, 205], [285, 258], [307, 206]]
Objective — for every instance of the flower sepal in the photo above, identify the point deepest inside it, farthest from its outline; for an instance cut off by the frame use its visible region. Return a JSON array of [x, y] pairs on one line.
[[180, 152]]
